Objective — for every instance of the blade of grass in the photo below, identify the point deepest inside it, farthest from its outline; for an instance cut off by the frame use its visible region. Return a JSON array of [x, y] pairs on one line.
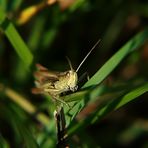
[[113, 62], [109, 66], [15, 39], [110, 106], [77, 4], [24, 104], [117, 103], [3, 143]]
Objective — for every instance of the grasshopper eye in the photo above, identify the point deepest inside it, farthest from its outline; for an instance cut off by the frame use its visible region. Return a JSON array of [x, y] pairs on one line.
[[68, 74]]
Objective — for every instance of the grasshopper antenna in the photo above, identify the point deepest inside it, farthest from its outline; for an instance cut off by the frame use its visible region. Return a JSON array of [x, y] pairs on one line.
[[88, 55], [69, 62]]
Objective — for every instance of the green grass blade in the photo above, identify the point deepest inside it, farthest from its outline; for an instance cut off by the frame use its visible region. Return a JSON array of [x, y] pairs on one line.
[[15, 39], [108, 67], [113, 62], [110, 106], [3, 143], [119, 102]]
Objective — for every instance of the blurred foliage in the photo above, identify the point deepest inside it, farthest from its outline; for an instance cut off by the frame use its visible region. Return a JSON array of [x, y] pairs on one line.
[[46, 31]]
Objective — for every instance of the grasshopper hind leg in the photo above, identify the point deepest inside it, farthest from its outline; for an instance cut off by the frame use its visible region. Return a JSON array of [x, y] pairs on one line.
[[60, 102]]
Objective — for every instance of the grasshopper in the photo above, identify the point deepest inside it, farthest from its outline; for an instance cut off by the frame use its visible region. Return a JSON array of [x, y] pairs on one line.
[[56, 83]]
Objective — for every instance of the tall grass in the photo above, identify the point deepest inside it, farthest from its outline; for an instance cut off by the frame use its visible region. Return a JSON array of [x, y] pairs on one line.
[[46, 33]]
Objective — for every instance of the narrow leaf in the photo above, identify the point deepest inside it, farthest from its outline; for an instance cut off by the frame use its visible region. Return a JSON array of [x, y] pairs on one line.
[[113, 62], [15, 39], [109, 107], [109, 66]]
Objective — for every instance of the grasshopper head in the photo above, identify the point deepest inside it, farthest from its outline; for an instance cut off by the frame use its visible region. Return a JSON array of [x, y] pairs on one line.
[[73, 80]]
